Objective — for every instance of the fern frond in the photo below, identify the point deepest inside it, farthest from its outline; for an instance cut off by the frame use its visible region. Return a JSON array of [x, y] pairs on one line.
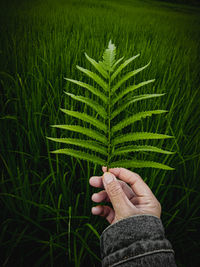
[[130, 89], [140, 164], [94, 77], [134, 118], [133, 100], [138, 136], [117, 62], [90, 88], [127, 149], [109, 57], [102, 139], [122, 66], [91, 133], [98, 67], [81, 155], [93, 104], [93, 145], [87, 118], [126, 77]]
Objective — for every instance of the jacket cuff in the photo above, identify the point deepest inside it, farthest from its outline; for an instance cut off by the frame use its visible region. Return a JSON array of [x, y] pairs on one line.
[[131, 238]]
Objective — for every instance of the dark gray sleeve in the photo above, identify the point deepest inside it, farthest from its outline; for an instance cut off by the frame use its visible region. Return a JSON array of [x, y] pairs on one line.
[[136, 241]]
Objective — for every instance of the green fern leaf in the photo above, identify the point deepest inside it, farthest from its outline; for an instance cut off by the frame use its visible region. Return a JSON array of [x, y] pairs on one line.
[[95, 77], [122, 66], [126, 77], [81, 155], [138, 136], [90, 88], [91, 133], [117, 62], [128, 149], [109, 57], [140, 164], [106, 143], [100, 125], [130, 89], [134, 118], [97, 67], [93, 104], [133, 100], [93, 145]]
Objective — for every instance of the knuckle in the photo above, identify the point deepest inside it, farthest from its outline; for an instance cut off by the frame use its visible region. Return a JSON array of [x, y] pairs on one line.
[[159, 206], [138, 176], [122, 183], [114, 189], [121, 170]]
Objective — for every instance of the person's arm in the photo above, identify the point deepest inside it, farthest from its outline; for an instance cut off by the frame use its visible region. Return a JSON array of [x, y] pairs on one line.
[[136, 235], [136, 241]]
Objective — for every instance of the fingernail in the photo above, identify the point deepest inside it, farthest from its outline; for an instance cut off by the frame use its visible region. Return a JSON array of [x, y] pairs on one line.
[[94, 209], [108, 177], [93, 196]]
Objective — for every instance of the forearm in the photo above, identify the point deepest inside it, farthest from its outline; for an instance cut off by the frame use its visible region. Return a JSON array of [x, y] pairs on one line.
[[136, 241]]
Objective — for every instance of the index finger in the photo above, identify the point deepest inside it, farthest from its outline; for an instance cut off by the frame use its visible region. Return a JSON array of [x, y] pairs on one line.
[[139, 187]]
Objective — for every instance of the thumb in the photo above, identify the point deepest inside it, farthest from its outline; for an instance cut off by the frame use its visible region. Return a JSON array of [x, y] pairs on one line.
[[121, 204]]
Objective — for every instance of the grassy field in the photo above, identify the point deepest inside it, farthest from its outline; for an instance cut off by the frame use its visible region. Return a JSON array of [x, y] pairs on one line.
[[45, 198]]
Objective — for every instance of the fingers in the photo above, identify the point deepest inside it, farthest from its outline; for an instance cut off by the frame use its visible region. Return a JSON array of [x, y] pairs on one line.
[[104, 211], [126, 201], [96, 181], [121, 204], [100, 197], [138, 186]]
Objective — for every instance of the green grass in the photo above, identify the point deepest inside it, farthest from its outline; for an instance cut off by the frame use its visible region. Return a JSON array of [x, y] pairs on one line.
[[46, 198]]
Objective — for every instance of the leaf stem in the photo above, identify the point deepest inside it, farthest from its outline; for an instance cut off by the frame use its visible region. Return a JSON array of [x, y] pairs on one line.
[[109, 123]]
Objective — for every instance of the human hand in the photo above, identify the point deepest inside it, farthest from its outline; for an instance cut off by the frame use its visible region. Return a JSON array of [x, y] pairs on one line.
[[126, 200]]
